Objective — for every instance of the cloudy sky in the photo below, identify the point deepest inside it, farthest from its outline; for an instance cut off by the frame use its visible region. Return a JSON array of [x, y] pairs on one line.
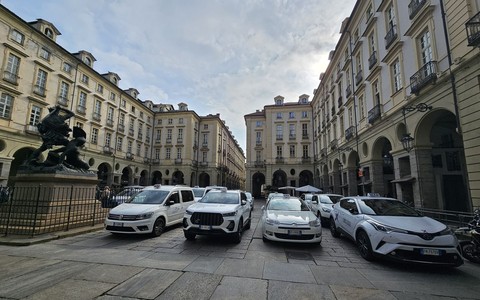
[[218, 56]]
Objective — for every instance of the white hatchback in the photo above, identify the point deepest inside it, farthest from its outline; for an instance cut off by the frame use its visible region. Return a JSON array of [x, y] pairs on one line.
[[150, 210]]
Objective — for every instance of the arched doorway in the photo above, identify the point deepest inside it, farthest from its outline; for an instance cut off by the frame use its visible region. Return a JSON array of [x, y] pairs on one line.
[[156, 177], [126, 177], [279, 179], [258, 179], [305, 178], [204, 179], [177, 178], [20, 156], [382, 173], [143, 178], [103, 172]]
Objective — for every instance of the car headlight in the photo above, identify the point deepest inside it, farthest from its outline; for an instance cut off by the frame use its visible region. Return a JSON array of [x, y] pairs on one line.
[[315, 223], [326, 209], [189, 212], [446, 231], [270, 221], [230, 214], [385, 228], [144, 216]]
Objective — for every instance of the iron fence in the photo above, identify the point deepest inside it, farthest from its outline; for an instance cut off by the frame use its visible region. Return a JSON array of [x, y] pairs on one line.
[[453, 219]]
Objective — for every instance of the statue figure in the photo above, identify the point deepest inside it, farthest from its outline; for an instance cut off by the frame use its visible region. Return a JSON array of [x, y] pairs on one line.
[[55, 132]]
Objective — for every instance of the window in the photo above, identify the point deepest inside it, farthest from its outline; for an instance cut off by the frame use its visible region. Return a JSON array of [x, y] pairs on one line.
[[361, 105], [291, 115], [139, 149], [100, 88], [278, 102], [258, 156], [350, 116], [169, 134], [98, 107], [141, 115], [17, 36], [204, 156], [180, 121], [305, 151], [87, 61], [64, 88], [45, 54], [426, 48], [205, 126], [180, 133], [6, 102], [133, 109], [11, 71], [129, 146], [157, 154], [279, 151], [110, 113], [292, 150], [376, 93], [67, 67], [108, 139], [123, 103], [179, 153], [259, 123], [168, 153], [291, 131], [79, 125], [146, 152], [112, 96], [279, 115], [121, 120], [85, 79], [41, 82], [391, 19], [159, 135], [305, 130], [35, 115], [159, 122], [369, 12], [205, 138], [94, 136], [49, 33], [259, 137], [304, 114], [397, 76], [279, 132], [170, 121]]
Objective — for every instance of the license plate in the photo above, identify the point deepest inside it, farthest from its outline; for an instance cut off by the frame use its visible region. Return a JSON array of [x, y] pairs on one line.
[[434, 252], [118, 224], [295, 232], [205, 227]]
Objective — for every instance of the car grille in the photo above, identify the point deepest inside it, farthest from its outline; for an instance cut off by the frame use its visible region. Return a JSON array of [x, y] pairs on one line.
[[212, 219], [416, 256], [121, 217], [118, 228], [294, 237]]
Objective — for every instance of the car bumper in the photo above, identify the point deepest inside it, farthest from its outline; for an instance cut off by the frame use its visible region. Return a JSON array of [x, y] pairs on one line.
[[129, 227], [228, 226], [292, 235]]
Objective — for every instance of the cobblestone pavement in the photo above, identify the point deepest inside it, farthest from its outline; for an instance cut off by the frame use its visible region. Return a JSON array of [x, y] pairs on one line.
[[99, 265]]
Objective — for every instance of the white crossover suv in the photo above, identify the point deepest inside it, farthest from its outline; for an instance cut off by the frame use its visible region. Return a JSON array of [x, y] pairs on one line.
[[219, 212], [150, 210]]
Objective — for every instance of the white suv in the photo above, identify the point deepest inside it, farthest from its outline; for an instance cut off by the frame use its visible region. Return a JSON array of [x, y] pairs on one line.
[[219, 212], [150, 210], [321, 205]]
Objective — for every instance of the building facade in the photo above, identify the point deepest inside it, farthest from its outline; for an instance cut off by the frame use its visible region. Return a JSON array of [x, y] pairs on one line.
[[129, 141], [279, 145], [396, 110]]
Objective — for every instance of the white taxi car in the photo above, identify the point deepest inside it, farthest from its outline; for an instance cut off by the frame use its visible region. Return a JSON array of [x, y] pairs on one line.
[[219, 212], [150, 210], [388, 228], [322, 204], [290, 219]]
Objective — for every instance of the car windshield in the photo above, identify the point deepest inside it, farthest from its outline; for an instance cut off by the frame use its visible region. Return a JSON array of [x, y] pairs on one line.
[[386, 207], [335, 199], [198, 192], [287, 205], [149, 197], [129, 192], [325, 200], [221, 198]]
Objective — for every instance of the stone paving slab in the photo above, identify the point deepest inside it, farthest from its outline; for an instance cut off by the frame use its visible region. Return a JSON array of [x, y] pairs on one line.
[[288, 272], [280, 290], [204, 264], [12, 266], [236, 288], [340, 276], [249, 268], [194, 286], [168, 261], [108, 273], [73, 289], [347, 293]]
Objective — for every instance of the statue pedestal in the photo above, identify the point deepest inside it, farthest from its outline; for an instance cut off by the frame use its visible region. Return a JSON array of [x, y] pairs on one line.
[[48, 202]]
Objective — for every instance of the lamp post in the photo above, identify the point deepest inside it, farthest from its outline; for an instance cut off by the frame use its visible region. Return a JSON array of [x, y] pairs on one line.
[[407, 139]]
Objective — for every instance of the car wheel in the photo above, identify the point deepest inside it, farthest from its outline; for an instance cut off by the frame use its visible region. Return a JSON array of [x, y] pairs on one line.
[[237, 237], [189, 236], [468, 251], [158, 227], [249, 224], [333, 229], [364, 245], [265, 240]]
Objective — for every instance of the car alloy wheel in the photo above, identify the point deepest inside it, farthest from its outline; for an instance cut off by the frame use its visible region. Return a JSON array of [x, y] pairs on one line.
[[158, 227], [249, 224], [333, 229], [238, 235], [364, 245]]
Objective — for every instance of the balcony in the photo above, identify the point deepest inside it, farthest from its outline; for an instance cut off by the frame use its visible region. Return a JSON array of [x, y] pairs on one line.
[[107, 150], [63, 101], [372, 60], [259, 164], [32, 129], [109, 123], [147, 139], [391, 36], [340, 102], [279, 160], [374, 114], [178, 161], [305, 136], [358, 77], [121, 128], [10, 77], [168, 141], [204, 164], [414, 7], [323, 152], [333, 144], [156, 161], [146, 160], [473, 30], [39, 90], [333, 110], [96, 116], [350, 132], [306, 160], [140, 136], [158, 141], [426, 75], [131, 132], [279, 138], [348, 91], [292, 137], [179, 141], [129, 156], [81, 109]]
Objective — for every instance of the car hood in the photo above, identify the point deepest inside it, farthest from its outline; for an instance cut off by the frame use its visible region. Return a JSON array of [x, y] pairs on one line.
[[213, 207], [134, 209], [415, 224], [289, 217]]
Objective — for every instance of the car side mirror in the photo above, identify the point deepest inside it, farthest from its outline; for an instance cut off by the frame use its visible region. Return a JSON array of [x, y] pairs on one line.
[[244, 202], [315, 201], [353, 211], [170, 202]]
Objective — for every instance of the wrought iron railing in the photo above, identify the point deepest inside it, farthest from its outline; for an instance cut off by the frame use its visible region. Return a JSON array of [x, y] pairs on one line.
[[414, 7], [391, 36], [426, 75], [473, 30], [374, 114]]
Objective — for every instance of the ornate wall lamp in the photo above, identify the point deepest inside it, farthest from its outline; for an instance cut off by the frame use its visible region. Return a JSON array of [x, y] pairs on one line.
[[407, 139]]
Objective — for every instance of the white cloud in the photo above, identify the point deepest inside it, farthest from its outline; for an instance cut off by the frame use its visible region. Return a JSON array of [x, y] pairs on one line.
[[227, 57]]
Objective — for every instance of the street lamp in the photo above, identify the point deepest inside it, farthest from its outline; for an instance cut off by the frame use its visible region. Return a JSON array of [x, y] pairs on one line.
[[407, 139]]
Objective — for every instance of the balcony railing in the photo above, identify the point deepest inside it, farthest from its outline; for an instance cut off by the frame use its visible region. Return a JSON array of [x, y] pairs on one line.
[[146, 160], [358, 77], [391, 36], [323, 152], [292, 137], [306, 159], [179, 141], [63, 101], [121, 127], [348, 91], [340, 102], [39, 90], [372, 60], [129, 156], [107, 150], [427, 74], [374, 114], [168, 141], [414, 7], [140, 136], [10, 77], [147, 139], [204, 163], [96, 116], [350, 132], [305, 136], [109, 122], [156, 161], [178, 161], [333, 110], [279, 138], [131, 132], [279, 160], [333, 144], [473, 30], [81, 109], [258, 143], [259, 164]]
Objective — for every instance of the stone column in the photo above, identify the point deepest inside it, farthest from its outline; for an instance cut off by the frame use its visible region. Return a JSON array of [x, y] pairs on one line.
[[424, 189], [377, 178]]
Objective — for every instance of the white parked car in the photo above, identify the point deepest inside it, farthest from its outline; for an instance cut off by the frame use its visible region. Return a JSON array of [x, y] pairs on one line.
[[388, 228], [322, 204], [250, 199], [289, 219], [198, 192], [219, 212], [150, 210], [126, 193]]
